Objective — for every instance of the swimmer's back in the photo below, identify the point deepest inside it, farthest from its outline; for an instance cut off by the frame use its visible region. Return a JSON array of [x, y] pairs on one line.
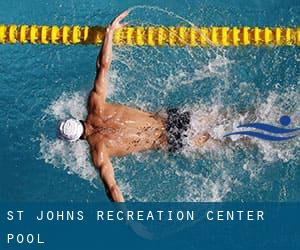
[[126, 130]]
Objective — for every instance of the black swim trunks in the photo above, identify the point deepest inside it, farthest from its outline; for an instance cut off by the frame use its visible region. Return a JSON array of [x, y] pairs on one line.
[[177, 125]]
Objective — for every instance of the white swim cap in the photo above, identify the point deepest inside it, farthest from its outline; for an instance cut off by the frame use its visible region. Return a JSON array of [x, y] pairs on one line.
[[70, 130]]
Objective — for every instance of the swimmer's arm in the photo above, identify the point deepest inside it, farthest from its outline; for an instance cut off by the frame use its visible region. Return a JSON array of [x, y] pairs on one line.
[[105, 56], [102, 65], [103, 164]]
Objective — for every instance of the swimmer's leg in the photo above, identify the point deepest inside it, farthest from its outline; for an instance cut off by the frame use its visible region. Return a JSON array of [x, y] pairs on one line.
[[203, 138], [200, 140]]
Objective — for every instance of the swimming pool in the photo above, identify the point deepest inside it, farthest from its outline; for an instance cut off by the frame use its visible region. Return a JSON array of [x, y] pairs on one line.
[[42, 84]]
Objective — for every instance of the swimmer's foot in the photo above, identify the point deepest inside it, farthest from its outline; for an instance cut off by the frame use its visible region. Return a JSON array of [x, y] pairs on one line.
[[200, 140]]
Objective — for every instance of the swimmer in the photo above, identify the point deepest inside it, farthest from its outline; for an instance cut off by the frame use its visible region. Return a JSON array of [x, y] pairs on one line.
[[114, 130]]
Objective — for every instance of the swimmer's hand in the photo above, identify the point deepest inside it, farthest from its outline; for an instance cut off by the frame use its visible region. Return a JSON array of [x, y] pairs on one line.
[[115, 24]]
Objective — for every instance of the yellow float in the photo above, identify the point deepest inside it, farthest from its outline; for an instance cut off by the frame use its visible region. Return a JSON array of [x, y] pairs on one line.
[[152, 35]]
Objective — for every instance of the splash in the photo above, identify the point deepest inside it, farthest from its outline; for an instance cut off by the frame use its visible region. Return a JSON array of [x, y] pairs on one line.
[[73, 158], [212, 189], [217, 120], [192, 184], [218, 88], [68, 105]]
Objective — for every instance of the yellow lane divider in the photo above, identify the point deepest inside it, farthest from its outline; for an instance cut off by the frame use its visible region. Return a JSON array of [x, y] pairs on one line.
[[152, 35]]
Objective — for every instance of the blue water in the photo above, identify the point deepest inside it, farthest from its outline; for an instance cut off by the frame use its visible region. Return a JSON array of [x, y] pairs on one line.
[[42, 84]]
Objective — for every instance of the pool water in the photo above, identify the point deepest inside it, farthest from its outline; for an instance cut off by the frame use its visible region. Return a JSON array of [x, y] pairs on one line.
[[43, 84]]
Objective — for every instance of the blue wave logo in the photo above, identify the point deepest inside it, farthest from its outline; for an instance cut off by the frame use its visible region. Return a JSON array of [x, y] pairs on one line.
[[279, 133]]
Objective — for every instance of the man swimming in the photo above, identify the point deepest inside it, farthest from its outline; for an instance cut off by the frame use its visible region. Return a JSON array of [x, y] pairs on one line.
[[117, 130]]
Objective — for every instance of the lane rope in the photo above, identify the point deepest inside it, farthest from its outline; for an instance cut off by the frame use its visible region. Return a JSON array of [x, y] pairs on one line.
[[152, 35]]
